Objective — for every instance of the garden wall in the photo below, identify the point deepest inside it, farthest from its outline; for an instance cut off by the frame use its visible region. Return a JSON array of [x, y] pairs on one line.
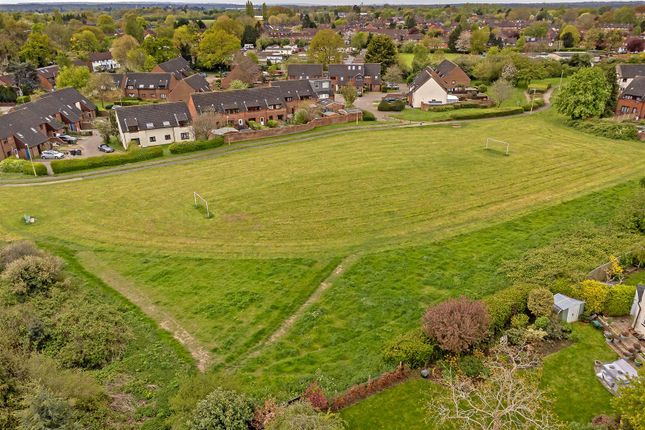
[[293, 129]]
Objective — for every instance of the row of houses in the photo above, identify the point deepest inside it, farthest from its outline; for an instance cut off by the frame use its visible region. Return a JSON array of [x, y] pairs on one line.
[[31, 128], [363, 76]]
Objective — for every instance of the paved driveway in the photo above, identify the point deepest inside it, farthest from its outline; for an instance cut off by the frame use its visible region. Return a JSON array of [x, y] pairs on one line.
[[369, 102], [89, 146]]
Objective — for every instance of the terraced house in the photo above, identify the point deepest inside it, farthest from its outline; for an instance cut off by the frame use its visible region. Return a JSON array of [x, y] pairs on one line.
[[148, 86], [155, 124], [363, 76]]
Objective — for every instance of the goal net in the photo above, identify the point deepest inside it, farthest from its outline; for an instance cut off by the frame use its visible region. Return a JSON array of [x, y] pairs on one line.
[[498, 145], [200, 202]]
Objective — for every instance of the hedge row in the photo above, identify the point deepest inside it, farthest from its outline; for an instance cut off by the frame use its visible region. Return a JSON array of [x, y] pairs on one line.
[[132, 156], [604, 128], [198, 145], [456, 106], [487, 114], [391, 106], [16, 165], [539, 88], [537, 103], [505, 303]]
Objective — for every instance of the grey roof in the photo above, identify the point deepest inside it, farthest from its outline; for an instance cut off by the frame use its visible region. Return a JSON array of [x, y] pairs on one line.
[[350, 71], [445, 67], [424, 76], [100, 56], [239, 100], [68, 102], [24, 125], [180, 67], [305, 71], [562, 302], [296, 89], [153, 116], [143, 81], [630, 70], [636, 88], [198, 83], [48, 72]]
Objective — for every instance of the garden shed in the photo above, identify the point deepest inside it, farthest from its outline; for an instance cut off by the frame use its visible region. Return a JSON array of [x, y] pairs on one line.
[[567, 308]]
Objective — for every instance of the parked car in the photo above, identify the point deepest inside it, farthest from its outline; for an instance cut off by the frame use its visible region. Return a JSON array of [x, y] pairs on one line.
[[105, 148], [67, 138], [50, 154]]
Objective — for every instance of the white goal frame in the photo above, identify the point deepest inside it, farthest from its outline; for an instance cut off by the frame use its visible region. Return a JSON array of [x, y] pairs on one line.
[[197, 197], [490, 140]]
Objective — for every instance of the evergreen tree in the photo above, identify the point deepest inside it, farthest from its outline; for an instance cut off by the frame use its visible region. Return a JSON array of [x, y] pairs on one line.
[[453, 38], [249, 8]]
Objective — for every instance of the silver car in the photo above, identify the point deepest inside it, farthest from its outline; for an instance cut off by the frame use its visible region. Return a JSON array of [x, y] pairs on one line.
[[50, 154]]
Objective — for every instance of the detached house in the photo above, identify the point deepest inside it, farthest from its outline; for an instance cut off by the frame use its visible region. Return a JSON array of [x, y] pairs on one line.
[[453, 76], [103, 62], [363, 76], [155, 124], [430, 89], [632, 100]]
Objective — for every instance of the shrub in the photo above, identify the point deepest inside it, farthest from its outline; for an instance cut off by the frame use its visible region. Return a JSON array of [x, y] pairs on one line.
[[539, 88], [15, 251], [368, 116], [619, 300], [631, 216], [272, 123], [557, 330], [606, 128], [516, 336], [33, 274], [391, 106], [132, 156], [315, 396], [23, 99], [519, 321], [471, 366], [361, 391], [540, 302], [40, 168], [302, 116], [534, 335], [17, 165], [254, 125], [541, 323], [301, 415], [46, 411], [537, 103], [222, 410], [593, 293], [485, 114], [197, 145], [457, 324], [505, 303], [89, 340], [413, 348]]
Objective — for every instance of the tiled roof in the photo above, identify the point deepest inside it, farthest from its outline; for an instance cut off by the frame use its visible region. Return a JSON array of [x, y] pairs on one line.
[[630, 70], [147, 80], [49, 72], [67, 102], [636, 88], [445, 67], [154, 116], [350, 71], [305, 71], [240, 100], [296, 89], [198, 83], [180, 67], [24, 125], [100, 56], [424, 76]]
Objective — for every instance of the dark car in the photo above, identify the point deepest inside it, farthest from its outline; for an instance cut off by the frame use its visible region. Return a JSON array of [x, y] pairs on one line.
[[67, 138], [105, 148]]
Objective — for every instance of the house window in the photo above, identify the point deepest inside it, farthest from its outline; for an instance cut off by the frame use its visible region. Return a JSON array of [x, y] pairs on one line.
[[240, 122], [163, 96], [262, 120], [153, 139], [185, 136], [167, 137]]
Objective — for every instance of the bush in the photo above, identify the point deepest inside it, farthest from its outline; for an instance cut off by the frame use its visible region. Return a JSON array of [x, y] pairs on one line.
[[593, 293], [541, 323], [557, 330], [302, 116], [254, 125], [519, 321], [132, 156], [505, 303], [222, 410], [537, 103], [413, 348], [33, 274], [472, 366], [391, 106], [23, 99], [631, 215], [315, 396], [457, 324], [532, 335], [197, 145], [17, 165], [40, 168], [301, 415], [516, 336], [538, 88], [15, 251], [540, 302], [487, 114], [619, 300], [606, 128], [368, 116], [272, 123]]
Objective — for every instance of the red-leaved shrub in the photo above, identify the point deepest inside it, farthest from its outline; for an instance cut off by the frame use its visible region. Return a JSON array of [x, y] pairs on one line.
[[362, 391], [315, 395]]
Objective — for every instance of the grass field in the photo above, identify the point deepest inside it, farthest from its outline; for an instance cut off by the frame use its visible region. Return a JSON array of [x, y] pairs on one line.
[[427, 212], [414, 114]]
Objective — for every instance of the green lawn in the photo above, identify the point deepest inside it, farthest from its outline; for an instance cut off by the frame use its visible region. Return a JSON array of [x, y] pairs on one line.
[[569, 376], [414, 114], [636, 278]]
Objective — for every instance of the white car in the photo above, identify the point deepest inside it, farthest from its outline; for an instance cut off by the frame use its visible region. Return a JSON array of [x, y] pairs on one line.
[[50, 154]]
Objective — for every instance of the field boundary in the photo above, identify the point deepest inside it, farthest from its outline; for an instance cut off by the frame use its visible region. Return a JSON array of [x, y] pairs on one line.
[[125, 287]]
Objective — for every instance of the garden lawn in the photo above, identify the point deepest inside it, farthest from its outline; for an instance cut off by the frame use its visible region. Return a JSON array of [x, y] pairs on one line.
[[414, 114], [402, 407], [569, 376]]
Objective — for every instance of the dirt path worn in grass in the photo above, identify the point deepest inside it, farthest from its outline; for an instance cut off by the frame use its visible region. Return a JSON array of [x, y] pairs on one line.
[[129, 291]]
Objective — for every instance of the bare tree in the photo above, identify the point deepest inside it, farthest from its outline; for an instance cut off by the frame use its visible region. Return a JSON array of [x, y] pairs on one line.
[[500, 91], [204, 123], [508, 399]]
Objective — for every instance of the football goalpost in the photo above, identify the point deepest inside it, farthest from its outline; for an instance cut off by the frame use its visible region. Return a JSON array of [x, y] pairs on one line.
[[199, 201], [493, 144]]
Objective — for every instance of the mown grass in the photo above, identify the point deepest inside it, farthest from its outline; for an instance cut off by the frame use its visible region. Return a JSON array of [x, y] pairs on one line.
[[414, 114], [334, 195], [569, 376]]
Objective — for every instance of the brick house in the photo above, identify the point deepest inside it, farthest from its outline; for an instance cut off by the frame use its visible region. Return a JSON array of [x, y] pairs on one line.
[[66, 106], [295, 92], [47, 77], [155, 124], [364, 76], [193, 84], [148, 86], [632, 100], [625, 73], [22, 131], [454, 77]]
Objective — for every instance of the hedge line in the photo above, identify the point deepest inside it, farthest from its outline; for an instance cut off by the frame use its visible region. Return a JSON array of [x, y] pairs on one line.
[[539, 88], [16, 165], [391, 106], [537, 103], [488, 114], [133, 156], [505, 303], [610, 129], [456, 106], [198, 145]]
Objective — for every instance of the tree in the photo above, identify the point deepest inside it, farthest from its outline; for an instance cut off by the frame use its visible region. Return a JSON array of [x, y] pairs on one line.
[[635, 44], [133, 26], [249, 8], [222, 410], [25, 76], [457, 324], [121, 47], [570, 36], [629, 404], [393, 74], [463, 43], [479, 39], [228, 25], [101, 86], [73, 76], [359, 40], [265, 13], [500, 91], [585, 95], [250, 35], [203, 124], [540, 302], [160, 49], [507, 399], [105, 130], [236, 84], [139, 60], [186, 39], [421, 57], [625, 15], [325, 48], [349, 95], [37, 49], [453, 38], [216, 48], [106, 23], [381, 49], [84, 43], [301, 415]]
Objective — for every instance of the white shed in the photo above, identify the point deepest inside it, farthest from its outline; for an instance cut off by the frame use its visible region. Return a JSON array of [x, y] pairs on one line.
[[568, 309]]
